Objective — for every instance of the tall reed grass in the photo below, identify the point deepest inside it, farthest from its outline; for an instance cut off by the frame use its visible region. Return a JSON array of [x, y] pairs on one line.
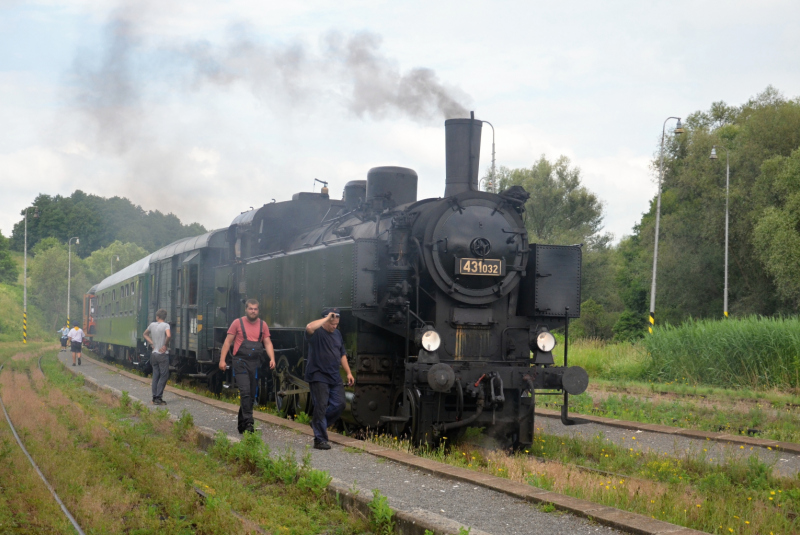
[[754, 352]]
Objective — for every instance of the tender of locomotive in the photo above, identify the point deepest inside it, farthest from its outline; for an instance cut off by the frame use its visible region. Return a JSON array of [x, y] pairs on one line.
[[447, 310]]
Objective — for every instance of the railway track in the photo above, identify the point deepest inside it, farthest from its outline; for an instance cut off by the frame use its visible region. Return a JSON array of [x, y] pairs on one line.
[[608, 516], [250, 524], [63, 507]]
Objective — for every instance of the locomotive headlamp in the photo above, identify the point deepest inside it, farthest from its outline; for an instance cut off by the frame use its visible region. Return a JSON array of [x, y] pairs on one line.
[[546, 341], [431, 340]]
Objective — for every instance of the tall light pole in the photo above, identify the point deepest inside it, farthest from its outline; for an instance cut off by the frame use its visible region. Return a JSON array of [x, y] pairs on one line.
[[25, 277], [678, 130], [69, 272], [493, 182], [113, 257], [727, 194]]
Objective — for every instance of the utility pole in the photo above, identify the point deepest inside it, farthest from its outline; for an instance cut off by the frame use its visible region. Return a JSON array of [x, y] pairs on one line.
[[678, 130], [25, 277], [727, 196]]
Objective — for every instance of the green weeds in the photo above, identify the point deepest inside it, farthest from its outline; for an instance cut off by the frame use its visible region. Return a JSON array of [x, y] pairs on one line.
[[125, 468], [381, 514]]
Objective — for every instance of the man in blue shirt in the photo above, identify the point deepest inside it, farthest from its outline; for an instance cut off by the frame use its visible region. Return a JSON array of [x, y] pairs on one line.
[[325, 354]]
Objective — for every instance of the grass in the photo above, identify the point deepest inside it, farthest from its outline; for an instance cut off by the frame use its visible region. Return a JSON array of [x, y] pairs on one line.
[[753, 352], [776, 419], [693, 491], [122, 468], [11, 317], [617, 361]]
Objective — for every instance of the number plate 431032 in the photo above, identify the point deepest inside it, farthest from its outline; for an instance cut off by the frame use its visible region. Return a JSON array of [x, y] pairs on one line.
[[481, 266]]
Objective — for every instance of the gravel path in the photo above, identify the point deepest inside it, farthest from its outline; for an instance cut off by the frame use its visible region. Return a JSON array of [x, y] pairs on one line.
[[405, 487], [785, 464]]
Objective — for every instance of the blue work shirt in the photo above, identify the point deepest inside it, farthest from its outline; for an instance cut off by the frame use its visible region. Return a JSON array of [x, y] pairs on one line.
[[325, 354]]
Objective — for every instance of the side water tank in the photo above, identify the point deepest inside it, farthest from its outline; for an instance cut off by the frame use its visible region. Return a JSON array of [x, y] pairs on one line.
[[395, 184]]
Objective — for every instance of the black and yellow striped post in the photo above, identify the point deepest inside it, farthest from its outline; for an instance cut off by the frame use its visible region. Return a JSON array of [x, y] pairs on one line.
[[24, 327], [726, 313], [67, 322], [652, 322]]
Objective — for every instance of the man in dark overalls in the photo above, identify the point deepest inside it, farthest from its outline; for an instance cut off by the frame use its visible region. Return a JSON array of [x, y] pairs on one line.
[[326, 353], [249, 336]]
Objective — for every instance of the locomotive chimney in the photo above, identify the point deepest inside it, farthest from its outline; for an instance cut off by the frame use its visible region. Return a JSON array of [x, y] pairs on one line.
[[462, 154]]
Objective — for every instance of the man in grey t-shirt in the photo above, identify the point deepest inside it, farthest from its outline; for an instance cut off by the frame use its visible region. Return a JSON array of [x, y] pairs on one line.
[[157, 335]]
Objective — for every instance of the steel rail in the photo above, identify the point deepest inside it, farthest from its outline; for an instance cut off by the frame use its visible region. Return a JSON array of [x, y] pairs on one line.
[[35, 466]]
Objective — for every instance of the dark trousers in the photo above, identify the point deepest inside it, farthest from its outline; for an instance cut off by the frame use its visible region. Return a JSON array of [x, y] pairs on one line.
[[328, 407], [160, 363], [245, 371], [64, 342]]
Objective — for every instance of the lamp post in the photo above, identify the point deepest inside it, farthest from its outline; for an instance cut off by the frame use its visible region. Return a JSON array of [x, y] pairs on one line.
[[113, 257], [69, 272], [25, 277], [678, 130], [727, 194], [493, 182]]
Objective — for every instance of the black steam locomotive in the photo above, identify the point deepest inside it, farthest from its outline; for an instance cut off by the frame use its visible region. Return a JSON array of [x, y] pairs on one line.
[[447, 310]]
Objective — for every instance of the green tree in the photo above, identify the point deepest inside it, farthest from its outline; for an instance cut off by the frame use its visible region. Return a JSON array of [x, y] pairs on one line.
[[8, 268], [777, 232], [98, 222], [100, 263], [692, 235], [48, 282], [560, 209]]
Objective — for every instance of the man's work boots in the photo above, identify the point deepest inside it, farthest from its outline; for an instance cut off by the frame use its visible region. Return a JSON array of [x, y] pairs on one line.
[[322, 445]]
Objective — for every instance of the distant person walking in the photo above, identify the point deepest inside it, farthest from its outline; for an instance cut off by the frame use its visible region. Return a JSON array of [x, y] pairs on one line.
[[64, 332], [76, 338], [326, 353], [250, 338], [157, 335]]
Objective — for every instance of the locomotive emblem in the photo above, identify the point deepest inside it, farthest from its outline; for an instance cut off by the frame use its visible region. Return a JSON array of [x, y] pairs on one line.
[[480, 247]]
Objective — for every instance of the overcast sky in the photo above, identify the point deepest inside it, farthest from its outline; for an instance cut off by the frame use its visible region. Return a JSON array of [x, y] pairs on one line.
[[205, 108]]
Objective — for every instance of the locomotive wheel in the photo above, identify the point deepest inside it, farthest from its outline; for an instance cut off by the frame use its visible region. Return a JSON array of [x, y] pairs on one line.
[[292, 404], [285, 404]]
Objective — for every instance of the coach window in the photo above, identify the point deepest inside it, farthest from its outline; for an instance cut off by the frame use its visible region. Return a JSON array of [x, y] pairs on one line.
[[192, 285], [114, 294]]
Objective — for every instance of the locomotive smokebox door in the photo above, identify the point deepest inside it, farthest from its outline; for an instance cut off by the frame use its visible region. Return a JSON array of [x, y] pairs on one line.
[[552, 282]]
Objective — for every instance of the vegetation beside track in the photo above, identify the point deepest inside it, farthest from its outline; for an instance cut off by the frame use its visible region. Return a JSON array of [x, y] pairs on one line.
[[735, 496], [120, 467], [753, 352]]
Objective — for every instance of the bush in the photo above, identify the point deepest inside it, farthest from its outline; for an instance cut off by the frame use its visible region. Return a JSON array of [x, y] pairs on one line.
[[630, 326], [594, 322]]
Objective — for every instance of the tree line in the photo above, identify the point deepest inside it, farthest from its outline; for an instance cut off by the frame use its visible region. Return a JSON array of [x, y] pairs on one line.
[[762, 140], [113, 233], [98, 222]]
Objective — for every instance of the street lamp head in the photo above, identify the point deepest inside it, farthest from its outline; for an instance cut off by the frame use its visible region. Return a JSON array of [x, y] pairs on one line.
[[713, 153], [36, 212], [679, 127], [77, 241]]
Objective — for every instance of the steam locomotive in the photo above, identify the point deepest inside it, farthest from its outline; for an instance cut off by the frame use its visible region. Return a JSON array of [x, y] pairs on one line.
[[447, 310]]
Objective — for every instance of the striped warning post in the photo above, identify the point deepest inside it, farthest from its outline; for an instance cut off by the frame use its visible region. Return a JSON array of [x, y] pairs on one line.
[[24, 327], [652, 321]]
